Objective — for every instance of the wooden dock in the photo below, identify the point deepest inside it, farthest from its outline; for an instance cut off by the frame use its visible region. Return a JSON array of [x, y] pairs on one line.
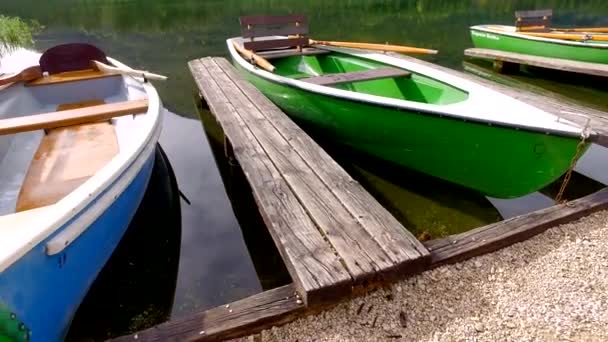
[[332, 235], [509, 60]]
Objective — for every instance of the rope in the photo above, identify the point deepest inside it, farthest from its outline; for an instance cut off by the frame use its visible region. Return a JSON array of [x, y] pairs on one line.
[[579, 149]]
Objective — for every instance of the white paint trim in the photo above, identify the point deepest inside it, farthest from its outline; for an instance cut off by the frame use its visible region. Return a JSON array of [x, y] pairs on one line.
[[483, 104], [47, 222], [511, 32]]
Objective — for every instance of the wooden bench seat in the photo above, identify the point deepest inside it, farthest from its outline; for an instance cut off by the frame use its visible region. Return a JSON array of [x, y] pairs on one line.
[[70, 76], [273, 54], [70, 117], [357, 76], [533, 21]]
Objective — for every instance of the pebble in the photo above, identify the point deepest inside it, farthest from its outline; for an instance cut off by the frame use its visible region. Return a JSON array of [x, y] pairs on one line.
[[552, 287]]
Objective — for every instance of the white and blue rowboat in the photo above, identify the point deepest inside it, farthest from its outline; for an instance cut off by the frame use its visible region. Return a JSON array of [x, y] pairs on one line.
[[76, 153]]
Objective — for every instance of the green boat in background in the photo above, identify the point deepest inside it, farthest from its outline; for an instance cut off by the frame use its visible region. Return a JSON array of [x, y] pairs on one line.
[[507, 38], [405, 112]]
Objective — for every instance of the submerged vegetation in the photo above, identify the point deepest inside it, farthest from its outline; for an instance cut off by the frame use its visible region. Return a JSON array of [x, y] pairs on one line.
[[15, 33]]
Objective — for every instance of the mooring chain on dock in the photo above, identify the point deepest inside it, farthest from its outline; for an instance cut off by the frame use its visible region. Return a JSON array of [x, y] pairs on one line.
[[584, 135]]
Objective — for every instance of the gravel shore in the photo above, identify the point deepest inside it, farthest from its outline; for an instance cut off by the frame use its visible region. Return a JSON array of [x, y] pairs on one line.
[[553, 287]]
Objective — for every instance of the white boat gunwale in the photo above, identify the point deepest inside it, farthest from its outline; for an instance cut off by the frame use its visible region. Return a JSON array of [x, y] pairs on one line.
[[561, 127], [50, 219], [510, 31]]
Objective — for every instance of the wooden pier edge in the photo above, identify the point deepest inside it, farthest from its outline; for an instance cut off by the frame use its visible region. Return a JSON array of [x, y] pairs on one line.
[[587, 68], [495, 236], [243, 317]]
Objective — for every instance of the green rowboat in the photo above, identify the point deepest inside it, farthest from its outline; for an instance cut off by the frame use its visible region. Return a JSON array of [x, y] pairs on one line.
[[419, 117], [506, 38]]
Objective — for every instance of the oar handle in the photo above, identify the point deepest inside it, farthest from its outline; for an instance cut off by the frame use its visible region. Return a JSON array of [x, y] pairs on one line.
[[260, 61], [567, 36], [128, 71], [372, 46], [582, 29]]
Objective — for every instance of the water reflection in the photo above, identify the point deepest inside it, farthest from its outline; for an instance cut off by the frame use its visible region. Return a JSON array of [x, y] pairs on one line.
[[117, 303], [215, 265]]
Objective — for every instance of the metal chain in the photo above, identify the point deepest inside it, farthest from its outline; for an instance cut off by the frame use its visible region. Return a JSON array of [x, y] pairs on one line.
[[579, 149]]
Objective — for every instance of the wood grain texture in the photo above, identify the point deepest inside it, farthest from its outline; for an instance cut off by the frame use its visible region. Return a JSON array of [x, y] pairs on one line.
[[505, 233], [272, 19], [70, 76], [357, 76], [543, 62], [287, 29], [405, 251], [559, 106], [72, 117], [362, 256], [275, 43], [534, 13], [307, 51], [66, 158], [243, 317], [314, 266]]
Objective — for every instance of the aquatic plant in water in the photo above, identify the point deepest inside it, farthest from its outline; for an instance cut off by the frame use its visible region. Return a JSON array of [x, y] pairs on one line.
[[15, 33]]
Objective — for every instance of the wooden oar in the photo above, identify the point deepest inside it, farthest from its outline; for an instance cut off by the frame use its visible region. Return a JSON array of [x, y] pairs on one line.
[[371, 46], [582, 29], [567, 36], [260, 61], [25, 75], [127, 71]]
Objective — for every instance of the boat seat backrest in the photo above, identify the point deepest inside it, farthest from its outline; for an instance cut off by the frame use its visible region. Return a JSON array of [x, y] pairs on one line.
[[357, 76], [533, 21], [293, 26]]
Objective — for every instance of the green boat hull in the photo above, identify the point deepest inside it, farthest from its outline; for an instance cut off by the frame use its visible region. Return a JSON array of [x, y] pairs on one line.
[[497, 41], [497, 161]]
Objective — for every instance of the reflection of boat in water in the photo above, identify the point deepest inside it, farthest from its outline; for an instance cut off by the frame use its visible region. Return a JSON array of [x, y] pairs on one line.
[[74, 167], [135, 290], [269, 266], [429, 207]]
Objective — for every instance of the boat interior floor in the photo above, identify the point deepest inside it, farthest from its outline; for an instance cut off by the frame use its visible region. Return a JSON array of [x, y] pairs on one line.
[[66, 158], [41, 167], [367, 76]]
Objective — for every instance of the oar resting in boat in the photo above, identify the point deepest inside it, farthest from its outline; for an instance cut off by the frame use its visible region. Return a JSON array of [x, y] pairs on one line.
[[76, 153]]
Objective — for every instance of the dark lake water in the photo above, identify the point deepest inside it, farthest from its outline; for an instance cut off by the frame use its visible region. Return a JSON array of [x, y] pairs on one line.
[[222, 252]]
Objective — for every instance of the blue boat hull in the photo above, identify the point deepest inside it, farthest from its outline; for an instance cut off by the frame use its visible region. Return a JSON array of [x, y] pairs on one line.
[[44, 291]]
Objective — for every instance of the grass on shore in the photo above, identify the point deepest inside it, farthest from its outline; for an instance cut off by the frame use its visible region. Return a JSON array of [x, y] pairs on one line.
[[16, 33]]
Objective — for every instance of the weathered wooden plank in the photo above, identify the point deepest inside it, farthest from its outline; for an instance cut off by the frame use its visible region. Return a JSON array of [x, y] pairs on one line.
[[272, 19], [595, 69], [315, 268], [272, 54], [357, 76], [361, 254], [275, 43], [534, 13], [399, 244], [505, 233], [248, 31], [244, 317]]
